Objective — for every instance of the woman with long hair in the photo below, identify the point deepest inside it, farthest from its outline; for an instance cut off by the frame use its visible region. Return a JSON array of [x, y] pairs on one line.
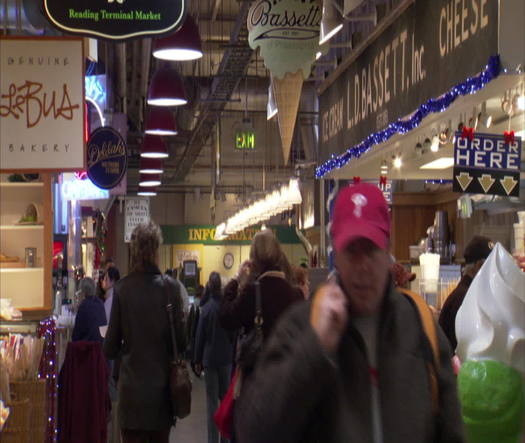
[[269, 267], [139, 333]]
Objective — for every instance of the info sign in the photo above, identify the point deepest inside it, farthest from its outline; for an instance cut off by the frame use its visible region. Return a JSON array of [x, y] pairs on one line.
[[41, 104], [137, 212], [487, 164], [116, 19]]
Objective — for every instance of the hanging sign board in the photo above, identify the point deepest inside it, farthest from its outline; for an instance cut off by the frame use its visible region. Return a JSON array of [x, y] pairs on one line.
[[116, 19], [487, 164], [107, 157], [41, 104], [431, 47], [137, 212], [287, 33]]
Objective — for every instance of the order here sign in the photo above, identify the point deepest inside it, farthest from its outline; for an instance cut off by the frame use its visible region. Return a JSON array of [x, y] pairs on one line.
[[487, 164]]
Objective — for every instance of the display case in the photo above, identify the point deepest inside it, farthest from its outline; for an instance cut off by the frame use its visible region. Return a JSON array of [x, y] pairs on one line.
[[26, 243]]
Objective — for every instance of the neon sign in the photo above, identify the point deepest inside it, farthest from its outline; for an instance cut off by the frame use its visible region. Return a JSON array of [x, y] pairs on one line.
[[95, 86], [75, 189]]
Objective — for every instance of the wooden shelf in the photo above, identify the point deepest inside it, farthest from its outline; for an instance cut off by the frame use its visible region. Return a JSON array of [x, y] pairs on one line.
[[21, 184], [20, 270], [20, 227]]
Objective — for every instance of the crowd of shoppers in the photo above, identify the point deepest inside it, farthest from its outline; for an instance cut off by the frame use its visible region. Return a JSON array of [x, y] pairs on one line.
[[349, 363]]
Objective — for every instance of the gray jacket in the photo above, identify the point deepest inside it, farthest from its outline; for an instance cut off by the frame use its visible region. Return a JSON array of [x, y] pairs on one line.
[[298, 394], [139, 333]]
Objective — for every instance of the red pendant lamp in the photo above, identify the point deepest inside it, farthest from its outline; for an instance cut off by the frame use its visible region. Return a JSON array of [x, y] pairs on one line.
[[167, 88], [183, 45], [147, 191], [160, 121], [150, 166], [149, 180], [153, 147]]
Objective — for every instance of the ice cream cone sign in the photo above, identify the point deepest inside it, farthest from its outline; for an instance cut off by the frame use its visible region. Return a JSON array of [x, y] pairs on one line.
[[287, 33]]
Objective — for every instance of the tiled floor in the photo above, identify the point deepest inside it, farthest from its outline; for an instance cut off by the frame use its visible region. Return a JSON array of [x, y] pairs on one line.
[[193, 428]]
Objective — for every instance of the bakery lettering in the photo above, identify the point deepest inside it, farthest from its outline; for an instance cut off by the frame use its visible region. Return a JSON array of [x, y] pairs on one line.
[[32, 100]]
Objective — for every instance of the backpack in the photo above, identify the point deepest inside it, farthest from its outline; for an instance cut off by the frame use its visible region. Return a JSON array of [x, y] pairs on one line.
[[429, 328]]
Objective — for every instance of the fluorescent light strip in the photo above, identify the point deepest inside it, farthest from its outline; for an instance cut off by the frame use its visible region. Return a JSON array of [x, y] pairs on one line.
[[440, 163]]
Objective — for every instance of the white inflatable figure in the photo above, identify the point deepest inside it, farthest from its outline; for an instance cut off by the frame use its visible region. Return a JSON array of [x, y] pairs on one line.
[[490, 328]]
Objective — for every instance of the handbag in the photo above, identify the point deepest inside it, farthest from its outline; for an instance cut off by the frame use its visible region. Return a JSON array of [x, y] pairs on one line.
[[179, 380], [251, 344], [223, 416]]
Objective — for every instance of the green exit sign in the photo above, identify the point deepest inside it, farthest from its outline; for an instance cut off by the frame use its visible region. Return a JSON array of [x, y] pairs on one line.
[[245, 140]]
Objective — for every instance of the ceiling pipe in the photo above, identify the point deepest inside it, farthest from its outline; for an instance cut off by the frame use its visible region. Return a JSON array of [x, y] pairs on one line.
[[24, 16], [120, 51]]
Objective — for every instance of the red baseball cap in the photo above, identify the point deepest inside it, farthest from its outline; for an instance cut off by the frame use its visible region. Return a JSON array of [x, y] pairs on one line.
[[360, 211]]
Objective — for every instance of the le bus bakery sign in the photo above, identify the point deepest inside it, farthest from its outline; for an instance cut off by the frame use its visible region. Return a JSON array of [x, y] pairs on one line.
[[41, 104], [116, 19], [431, 47]]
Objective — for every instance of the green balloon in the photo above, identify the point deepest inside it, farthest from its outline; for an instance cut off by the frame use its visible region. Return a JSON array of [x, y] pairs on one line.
[[492, 397]]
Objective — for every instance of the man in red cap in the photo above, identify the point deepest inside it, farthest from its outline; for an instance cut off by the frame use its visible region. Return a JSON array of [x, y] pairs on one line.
[[353, 365]]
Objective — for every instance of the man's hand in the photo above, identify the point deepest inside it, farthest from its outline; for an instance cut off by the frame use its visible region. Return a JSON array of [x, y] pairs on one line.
[[198, 369], [329, 315]]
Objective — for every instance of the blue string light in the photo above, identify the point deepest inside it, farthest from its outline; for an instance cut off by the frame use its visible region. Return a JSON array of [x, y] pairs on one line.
[[470, 86], [438, 182]]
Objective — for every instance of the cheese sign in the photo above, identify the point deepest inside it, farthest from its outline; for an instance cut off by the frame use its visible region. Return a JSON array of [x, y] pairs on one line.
[[487, 164]]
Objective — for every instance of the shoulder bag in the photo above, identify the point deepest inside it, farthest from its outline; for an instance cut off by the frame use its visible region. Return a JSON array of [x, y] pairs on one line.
[[179, 381]]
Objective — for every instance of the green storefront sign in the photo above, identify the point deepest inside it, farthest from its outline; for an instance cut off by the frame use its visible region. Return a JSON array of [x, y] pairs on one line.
[[205, 234]]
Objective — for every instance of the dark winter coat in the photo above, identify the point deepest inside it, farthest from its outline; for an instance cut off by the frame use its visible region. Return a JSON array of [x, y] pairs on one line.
[[447, 317], [277, 295], [299, 394], [139, 332], [90, 316], [213, 344]]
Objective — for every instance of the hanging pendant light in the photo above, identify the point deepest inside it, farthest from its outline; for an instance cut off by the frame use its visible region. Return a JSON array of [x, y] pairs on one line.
[[160, 121], [331, 22], [153, 147], [147, 192], [149, 180], [183, 45], [167, 88], [150, 166]]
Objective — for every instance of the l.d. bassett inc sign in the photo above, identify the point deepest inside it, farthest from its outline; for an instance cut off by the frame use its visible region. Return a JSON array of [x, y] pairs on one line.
[[433, 46], [41, 104], [116, 20], [107, 157]]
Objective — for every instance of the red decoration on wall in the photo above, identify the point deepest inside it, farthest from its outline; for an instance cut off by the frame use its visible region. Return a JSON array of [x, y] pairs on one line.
[[382, 181], [509, 137], [468, 133], [357, 180]]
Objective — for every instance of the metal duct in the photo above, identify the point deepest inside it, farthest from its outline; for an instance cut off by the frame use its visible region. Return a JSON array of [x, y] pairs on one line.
[[24, 16]]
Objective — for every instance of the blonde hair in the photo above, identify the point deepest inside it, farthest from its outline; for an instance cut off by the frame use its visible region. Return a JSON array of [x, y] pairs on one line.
[[266, 255], [145, 241]]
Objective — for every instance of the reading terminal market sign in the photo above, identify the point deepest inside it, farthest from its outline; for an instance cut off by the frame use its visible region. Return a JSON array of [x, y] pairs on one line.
[[116, 20]]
